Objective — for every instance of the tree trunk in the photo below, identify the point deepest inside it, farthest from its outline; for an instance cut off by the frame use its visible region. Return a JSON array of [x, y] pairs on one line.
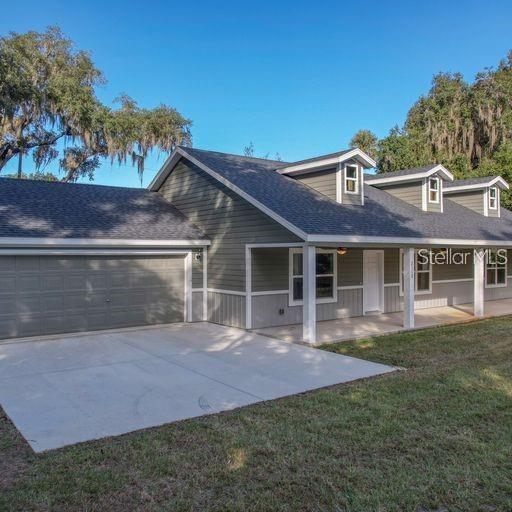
[[20, 165]]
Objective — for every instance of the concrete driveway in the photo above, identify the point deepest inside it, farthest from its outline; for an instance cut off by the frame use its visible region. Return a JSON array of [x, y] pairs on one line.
[[67, 390]]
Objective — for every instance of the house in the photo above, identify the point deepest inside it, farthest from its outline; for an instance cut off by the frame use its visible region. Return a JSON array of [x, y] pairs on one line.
[[250, 243]]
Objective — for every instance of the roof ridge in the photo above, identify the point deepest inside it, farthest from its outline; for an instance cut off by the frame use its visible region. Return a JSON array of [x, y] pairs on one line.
[[185, 148]]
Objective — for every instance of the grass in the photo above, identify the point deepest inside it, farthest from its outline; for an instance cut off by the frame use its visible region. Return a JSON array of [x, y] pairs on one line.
[[437, 437]]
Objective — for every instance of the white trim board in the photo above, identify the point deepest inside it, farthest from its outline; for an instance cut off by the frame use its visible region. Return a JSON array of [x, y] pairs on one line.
[[226, 292], [403, 241], [477, 186], [356, 153], [412, 177], [269, 292], [90, 252], [248, 287], [442, 281], [97, 242], [274, 245]]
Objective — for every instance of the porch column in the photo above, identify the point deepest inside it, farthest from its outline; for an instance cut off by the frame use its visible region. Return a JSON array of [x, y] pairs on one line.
[[309, 294], [248, 287], [408, 280], [478, 282]]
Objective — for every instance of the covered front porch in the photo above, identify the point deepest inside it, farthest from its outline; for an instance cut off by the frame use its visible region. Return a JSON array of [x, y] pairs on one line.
[[316, 294], [360, 327]]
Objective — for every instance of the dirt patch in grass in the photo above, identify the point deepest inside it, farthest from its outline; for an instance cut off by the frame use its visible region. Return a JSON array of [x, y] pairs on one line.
[[436, 437]]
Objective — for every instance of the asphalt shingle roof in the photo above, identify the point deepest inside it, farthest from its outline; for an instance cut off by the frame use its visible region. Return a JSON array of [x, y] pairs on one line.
[[30, 208], [402, 172], [316, 158], [469, 181], [382, 215]]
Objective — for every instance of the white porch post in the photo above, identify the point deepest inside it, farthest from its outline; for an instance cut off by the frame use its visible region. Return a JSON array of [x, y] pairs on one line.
[[478, 282], [309, 294], [248, 288], [409, 279]]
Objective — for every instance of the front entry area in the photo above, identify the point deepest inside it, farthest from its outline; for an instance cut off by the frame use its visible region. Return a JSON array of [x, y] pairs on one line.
[[373, 282], [41, 295]]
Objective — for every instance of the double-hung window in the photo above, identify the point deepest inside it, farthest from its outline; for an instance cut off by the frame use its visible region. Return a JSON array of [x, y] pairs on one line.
[[326, 280], [433, 189], [493, 198], [495, 269], [351, 179], [423, 272]]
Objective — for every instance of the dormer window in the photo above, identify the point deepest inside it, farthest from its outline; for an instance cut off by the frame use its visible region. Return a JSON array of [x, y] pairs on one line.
[[433, 189], [351, 179], [493, 198]]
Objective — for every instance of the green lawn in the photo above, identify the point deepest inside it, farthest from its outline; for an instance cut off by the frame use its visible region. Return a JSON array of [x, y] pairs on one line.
[[436, 437]]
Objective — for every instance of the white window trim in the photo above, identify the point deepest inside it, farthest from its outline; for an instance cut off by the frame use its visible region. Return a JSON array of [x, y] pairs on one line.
[[490, 198], [401, 275], [437, 190], [327, 300], [495, 267], [356, 179]]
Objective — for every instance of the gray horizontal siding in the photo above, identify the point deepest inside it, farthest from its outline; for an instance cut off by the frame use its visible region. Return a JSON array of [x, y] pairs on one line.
[[266, 309], [473, 200], [409, 192], [197, 269], [391, 266], [197, 307], [452, 270], [322, 181], [226, 309], [270, 269], [230, 222], [350, 268]]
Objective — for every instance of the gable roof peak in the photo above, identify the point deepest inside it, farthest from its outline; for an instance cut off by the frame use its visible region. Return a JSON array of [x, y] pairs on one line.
[[412, 174]]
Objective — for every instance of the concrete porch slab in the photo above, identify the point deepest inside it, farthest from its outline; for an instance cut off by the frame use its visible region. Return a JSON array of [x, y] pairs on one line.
[[365, 326]]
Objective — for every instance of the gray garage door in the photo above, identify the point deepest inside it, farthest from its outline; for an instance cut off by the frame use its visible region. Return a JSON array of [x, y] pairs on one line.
[[48, 294]]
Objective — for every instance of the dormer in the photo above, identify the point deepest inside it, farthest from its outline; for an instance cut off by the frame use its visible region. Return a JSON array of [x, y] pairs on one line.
[[338, 176], [481, 195], [422, 186]]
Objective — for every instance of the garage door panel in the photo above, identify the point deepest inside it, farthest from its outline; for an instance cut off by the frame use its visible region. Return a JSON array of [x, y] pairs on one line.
[[29, 325], [7, 284], [8, 327], [51, 282], [65, 323], [28, 264], [7, 263], [52, 303], [98, 320], [28, 283], [128, 317], [98, 299], [47, 295], [28, 305], [7, 306]]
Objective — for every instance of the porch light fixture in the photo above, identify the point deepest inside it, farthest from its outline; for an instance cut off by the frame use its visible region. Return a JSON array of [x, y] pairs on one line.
[[341, 250]]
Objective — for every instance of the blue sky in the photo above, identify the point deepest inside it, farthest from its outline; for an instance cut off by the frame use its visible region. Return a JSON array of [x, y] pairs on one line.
[[294, 77]]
